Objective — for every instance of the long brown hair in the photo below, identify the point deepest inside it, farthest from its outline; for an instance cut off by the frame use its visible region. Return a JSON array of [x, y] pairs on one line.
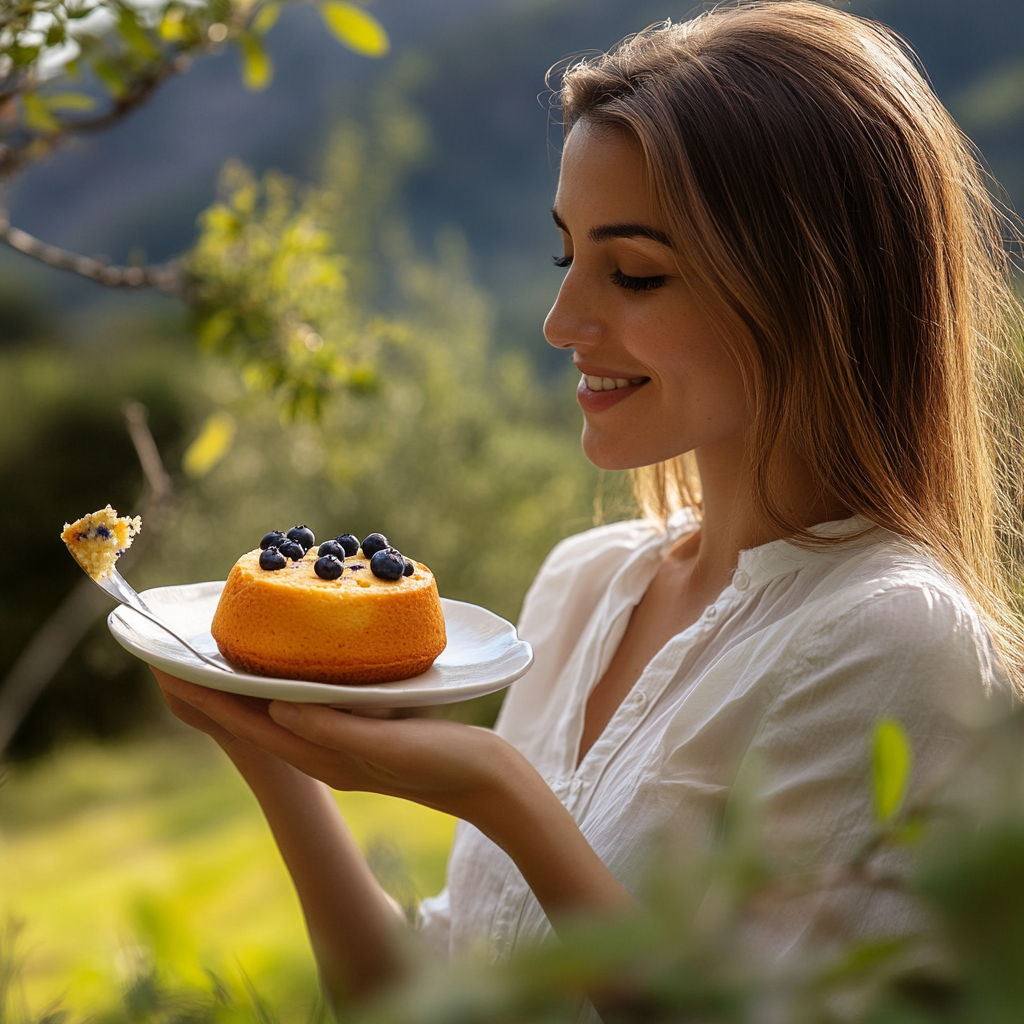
[[834, 219]]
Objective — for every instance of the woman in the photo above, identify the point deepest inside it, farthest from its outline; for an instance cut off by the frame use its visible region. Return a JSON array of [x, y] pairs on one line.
[[786, 295]]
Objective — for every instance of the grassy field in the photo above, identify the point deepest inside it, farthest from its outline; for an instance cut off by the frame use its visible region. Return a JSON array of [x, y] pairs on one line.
[[113, 855]]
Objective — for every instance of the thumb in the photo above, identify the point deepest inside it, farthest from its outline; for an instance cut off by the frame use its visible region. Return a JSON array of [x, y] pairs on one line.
[[314, 722]]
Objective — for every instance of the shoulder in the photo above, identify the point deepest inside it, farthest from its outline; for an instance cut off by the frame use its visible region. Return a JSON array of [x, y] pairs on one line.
[[891, 622], [895, 593], [600, 550], [577, 572], [597, 554]]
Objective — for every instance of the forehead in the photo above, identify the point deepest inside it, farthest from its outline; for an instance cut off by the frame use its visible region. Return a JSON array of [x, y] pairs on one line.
[[602, 179]]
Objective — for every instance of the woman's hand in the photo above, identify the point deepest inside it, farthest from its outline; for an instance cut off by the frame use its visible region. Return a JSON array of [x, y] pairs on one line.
[[467, 772], [176, 692], [440, 764]]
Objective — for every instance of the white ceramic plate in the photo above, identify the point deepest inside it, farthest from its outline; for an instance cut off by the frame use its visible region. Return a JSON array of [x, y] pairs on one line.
[[483, 654]]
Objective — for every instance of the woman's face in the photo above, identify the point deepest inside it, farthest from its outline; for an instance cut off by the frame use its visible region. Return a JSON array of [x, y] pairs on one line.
[[657, 380]]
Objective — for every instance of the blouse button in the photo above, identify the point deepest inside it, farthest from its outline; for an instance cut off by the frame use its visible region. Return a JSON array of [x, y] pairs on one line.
[[710, 612], [741, 581], [638, 700]]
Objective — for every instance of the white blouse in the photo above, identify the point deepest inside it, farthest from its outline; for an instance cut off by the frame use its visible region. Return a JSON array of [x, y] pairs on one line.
[[780, 682]]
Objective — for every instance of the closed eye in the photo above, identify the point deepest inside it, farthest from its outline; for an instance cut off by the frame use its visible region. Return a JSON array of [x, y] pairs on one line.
[[562, 261], [638, 284]]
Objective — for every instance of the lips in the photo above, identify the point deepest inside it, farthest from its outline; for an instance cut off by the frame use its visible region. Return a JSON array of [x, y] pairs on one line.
[[596, 393], [595, 383]]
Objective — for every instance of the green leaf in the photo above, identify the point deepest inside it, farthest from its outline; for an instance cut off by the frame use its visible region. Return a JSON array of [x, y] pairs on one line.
[[135, 35], [265, 18], [210, 446], [22, 56], [173, 27], [357, 29], [70, 101], [37, 114], [257, 67], [110, 75], [891, 759], [912, 832]]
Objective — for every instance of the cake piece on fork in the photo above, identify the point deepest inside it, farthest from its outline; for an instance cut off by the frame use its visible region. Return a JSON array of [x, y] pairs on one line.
[[97, 540]]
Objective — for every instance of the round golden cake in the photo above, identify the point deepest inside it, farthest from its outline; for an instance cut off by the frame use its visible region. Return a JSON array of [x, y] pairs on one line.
[[291, 624]]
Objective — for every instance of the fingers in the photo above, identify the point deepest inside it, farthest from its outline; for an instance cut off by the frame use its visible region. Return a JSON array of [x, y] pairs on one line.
[[178, 687], [390, 713], [232, 718], [245, 718], [321, 725]]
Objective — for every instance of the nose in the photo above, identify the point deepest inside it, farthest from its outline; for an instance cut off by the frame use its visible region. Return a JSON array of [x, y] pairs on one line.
[[572, 321]]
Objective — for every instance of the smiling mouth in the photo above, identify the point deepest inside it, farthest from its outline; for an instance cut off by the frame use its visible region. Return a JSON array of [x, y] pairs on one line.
[[611, 383]]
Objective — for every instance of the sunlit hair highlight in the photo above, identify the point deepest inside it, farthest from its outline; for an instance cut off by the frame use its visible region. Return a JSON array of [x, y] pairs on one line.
[[835, 222]]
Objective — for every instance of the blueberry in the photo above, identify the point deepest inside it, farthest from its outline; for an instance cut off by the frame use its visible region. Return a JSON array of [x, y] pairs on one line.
[[327, 567], [387, 564], [103, 533], [374, 543], [274, 539], [409, 568], [302, 535], [292, 549], [331, 547], [271, 558], [349, 543]]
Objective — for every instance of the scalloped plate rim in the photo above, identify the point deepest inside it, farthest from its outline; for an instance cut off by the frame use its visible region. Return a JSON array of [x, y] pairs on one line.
[[483, 655]]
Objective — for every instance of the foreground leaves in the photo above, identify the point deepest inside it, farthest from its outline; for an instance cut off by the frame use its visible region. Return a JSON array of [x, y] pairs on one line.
[[958, 962]]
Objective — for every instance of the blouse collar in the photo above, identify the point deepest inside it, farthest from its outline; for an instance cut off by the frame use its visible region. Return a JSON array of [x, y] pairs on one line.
[[779, 557], [764, 563]]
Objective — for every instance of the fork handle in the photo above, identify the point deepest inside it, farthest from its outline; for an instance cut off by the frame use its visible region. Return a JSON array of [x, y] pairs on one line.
[[118, 588]]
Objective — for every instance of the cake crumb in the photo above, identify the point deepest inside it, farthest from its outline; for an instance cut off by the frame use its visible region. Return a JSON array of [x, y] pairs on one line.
[[97, 540]]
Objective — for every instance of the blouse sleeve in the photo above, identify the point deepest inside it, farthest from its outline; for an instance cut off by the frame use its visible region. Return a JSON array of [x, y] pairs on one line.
[[434, 921], [916, 655]]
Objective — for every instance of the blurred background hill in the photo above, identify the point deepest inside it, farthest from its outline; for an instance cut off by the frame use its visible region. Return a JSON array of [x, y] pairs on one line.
[[440, 164], [489, 168], [447, 228]]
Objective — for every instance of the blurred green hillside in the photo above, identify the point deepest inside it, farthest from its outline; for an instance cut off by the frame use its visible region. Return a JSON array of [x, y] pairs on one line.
[[129, 853]]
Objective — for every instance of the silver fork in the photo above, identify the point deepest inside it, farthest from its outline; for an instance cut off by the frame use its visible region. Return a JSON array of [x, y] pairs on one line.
[[123, 592]]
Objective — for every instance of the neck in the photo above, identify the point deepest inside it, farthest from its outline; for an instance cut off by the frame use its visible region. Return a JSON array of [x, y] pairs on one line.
[[730, 525]]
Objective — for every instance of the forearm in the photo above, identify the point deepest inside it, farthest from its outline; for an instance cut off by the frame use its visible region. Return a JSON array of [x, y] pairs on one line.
[[352, 924]]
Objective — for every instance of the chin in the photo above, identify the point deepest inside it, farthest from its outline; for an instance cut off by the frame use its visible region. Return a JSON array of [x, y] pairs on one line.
[[611, 456]]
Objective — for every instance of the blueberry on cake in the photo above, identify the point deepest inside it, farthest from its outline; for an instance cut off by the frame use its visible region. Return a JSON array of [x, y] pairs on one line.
[[343, 611], [97, 540]]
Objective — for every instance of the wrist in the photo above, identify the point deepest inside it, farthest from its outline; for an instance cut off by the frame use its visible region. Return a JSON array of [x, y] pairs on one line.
[[260, 768]]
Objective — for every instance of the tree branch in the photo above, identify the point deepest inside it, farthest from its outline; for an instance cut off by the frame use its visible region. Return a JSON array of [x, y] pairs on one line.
[[14, 158], [55, 641], [165, 277]]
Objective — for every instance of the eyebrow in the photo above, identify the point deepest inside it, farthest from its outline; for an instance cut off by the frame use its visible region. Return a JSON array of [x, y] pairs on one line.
[[606, 231]]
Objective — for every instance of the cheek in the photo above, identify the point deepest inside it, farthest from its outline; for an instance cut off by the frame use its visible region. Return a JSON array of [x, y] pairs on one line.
[[697, 375]]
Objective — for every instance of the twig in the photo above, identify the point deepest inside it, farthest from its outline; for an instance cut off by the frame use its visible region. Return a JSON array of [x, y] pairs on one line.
[[160, 489], [165, 277], [46, 652], [14, 158], [55, 641]]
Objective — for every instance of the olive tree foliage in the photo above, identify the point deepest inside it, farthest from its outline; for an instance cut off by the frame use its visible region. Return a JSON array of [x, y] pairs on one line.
[[263, 281]]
